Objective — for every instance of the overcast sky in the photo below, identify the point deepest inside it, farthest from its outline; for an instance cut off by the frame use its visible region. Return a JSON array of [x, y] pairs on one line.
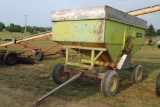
[[39, 11]]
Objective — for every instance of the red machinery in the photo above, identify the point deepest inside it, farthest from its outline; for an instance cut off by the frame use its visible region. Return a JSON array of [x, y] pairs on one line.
[[39, 52], [11, 58]]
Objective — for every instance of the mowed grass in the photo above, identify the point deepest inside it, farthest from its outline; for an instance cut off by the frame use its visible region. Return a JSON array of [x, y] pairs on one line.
[[21, 85], [11, 35]]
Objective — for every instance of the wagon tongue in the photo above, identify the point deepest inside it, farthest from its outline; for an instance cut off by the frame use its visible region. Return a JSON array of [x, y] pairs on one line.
[[35, 103]]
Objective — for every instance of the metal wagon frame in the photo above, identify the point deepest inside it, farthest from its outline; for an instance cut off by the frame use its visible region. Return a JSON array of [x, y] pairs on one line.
[[108, 36]]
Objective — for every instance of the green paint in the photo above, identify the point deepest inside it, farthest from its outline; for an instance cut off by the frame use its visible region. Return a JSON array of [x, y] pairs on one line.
[[116, 34], [79, 31], [114, 38], [98, 33], [67, 54]]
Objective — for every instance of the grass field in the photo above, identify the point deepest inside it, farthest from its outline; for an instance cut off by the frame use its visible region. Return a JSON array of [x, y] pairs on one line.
[[21, 85], [11, 35]]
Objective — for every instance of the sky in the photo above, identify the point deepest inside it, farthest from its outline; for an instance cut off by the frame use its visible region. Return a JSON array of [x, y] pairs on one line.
[[38, 12]]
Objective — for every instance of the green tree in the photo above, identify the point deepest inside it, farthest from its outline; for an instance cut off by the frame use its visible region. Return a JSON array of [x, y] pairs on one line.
[[2, 26], [7, 28], [11, 27], [32, 31], [158, 32], [28, 28], [17, 28], [35, 32], [150, 31], [22, 29]]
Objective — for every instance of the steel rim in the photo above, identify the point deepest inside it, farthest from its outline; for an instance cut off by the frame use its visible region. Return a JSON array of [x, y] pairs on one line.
[[38, 55], [113, 84], [62, 75], [11, 59], [139, 74]]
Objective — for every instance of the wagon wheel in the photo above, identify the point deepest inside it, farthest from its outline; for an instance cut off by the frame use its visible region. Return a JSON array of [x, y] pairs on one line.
[[110, 83], [137, 73], [158, 85], [58, 74], [39, 55], [10, 58]]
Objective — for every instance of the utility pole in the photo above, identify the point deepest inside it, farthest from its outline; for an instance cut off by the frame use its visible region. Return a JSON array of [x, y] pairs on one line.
[[25, 25]]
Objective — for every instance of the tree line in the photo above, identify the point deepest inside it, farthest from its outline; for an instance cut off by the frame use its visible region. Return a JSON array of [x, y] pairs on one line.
[[150, 31], [17, 28]]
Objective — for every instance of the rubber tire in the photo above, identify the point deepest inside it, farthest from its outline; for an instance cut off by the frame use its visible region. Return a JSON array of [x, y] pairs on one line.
[[12, 55], [59, 68], [39, 55], [158, 85], [134, 75], [105, 83]]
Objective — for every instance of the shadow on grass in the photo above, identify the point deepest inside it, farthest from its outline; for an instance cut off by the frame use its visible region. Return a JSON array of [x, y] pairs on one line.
[[53, 57], [79, 89], [86, 87], [89, 86], [75, 91], [125, 76], [3, 65]]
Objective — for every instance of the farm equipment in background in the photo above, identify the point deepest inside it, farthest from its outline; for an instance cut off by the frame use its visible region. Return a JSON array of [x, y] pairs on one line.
[[11, 58], [39, 52], [28, 38], [148, 41], [145, 10]]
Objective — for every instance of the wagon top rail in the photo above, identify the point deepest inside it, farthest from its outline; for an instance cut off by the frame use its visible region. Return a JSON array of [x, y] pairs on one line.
[[100, 12]]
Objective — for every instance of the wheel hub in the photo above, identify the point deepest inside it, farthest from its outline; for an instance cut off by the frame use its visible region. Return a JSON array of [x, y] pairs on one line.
[[113, 84], [62, 75], [11, 59], [139, 74]]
